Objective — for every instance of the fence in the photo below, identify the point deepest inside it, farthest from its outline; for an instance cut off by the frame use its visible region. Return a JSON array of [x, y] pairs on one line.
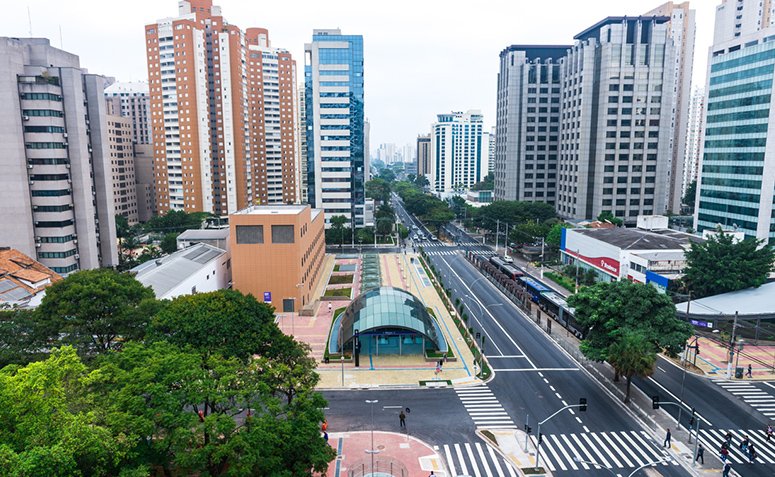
[[383, 467]]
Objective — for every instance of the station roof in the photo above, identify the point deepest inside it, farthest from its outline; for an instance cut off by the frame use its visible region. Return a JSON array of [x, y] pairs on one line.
[[750, 303], [640, 239]]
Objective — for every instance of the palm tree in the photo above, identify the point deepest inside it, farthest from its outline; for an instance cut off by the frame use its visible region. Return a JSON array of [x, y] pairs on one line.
[[632, 356]]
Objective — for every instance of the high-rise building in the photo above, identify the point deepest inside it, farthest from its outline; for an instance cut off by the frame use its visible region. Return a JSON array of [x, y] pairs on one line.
[[458, 152], [682, 31], [423, 154], [736, 184], [528, 122], [336, 169], [491, 151], [616, 136], [122, 166], [130, 99], [56, 188], [223, 108], [694, 133], [302, 131]]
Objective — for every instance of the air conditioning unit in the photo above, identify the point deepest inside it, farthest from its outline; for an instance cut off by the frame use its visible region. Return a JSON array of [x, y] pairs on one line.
[[29, 166], [26, 118], [77, 256], [37, 245], [36, 222], [32, 182], [64, 134], [65, 143], [67, 166], [75, 241]]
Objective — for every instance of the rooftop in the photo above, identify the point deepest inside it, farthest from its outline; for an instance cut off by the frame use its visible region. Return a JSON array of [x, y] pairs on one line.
[[166, 273], [751, 303], [593, 30], [21, 277], [204, 234], [639, 239], [543, 52], [271, 209]]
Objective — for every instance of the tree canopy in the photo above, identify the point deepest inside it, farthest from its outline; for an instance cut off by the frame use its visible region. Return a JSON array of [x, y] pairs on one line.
[[488, 183], [690, 195], [721, 264], [608, 216], [378, 189]]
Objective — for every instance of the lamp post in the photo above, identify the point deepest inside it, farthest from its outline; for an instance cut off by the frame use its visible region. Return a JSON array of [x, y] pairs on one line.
[[372, 451], [683, 380], [732, 347]]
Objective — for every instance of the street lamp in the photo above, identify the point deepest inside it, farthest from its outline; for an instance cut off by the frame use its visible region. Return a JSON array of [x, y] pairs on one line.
[[648, 464], [372, 451]]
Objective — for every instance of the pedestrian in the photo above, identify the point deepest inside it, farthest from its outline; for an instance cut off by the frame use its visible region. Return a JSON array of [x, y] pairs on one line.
[[724, 453], [751, 453], [769, 432], [744, 444], [750, 371], [402, 419], [728, 438], [329, 307], [445, 357], [667, 439], [700, 454], [727, 468]]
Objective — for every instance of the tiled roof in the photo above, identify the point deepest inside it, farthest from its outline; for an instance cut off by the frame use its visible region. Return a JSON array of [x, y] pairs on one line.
[[21, 276]]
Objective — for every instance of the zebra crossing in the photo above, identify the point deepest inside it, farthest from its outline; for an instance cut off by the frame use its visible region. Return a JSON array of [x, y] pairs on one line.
[[476, 459], [760, 400], [713, 438], [455, 252], [614, 450], [483, 408]]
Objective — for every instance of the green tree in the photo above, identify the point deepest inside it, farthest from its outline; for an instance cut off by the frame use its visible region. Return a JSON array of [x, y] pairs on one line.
[[458, 206], [608, 311], [721, 264], [528, 232], [554, 235], [224, 322], [169, 244], [176, 221], [690, 195], [95, 310], [378, 189], [488, 183], [513, 212], [632, 355], [387, 175], [608, 216], [337, 228], [22, 338]]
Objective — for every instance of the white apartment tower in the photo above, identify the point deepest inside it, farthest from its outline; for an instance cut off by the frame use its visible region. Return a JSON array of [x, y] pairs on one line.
[[459, 154], [56, 188], [694, 135]]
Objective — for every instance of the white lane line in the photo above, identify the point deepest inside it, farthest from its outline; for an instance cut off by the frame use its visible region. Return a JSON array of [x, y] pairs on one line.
[[495, 461], [562, 450], [586, 429], [699, 416], [596, 449], [578, 419], [536, 369], [506, 356], [472, 459], [460, 459], [451, 464], [483, 459], [503, 330]]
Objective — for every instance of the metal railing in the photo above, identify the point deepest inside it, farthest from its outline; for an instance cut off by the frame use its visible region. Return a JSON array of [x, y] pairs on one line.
[[382, 466]]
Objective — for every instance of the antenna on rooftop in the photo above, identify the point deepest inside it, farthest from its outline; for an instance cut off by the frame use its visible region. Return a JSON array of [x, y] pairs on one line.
[[61, 45], [29, 19]]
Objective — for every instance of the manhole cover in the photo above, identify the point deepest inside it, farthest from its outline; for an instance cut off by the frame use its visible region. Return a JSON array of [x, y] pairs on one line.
[[381, 447]]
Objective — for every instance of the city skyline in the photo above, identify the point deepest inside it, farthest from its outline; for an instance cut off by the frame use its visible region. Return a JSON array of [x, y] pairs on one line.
[[439, 82]]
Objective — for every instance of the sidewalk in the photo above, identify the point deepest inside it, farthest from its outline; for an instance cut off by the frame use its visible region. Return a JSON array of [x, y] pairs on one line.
[[713, 357], [399, 455]]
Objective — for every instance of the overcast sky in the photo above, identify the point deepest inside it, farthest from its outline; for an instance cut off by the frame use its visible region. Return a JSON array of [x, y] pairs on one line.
[[422, 57]]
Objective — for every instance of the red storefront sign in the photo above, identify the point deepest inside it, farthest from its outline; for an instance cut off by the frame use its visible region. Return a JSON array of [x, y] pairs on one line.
[[605, 264]]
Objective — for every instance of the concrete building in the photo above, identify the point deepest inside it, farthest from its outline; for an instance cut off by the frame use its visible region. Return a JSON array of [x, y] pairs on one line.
[[336, 154], [650, 253], [458, 152], [528, 122], [736, 184], [200, 268], [302, 132], [214, 237], [122, 166], [694, 134], [23, 281], [56, 186], [217, 94], [423, 154], [616, 134], [682, 31], [278, 252], [491, 151]]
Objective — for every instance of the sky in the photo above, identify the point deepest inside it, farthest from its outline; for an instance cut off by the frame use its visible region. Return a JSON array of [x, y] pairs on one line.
[[421, 57]]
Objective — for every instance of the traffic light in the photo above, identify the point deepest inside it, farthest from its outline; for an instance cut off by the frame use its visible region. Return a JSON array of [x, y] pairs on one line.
[[583, 404], [528, 429], [540, 437], [654, 402], [697, 349]]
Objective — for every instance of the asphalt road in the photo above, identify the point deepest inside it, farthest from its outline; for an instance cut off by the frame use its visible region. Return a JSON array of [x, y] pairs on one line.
[[535, 378]]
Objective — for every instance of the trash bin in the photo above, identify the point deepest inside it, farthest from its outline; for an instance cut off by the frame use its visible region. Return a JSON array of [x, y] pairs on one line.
[[326, 359], [738, 373]]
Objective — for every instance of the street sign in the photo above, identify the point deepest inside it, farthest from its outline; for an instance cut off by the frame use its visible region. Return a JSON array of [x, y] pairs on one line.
[[267, 297]]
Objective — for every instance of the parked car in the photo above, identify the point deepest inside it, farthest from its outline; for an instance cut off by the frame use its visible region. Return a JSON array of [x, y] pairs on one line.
[[508, 259], [433, 238]]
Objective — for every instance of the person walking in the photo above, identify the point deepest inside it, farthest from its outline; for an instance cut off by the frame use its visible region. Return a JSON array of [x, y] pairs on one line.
[[700, 454], [402, 420], [667, 439], [727, 468], [329, 307], [728, 439], [750, 371], [724, 453], [744, 444], [751, 453], [769, 432]]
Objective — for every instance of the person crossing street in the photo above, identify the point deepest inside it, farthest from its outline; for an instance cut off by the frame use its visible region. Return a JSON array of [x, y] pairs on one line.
[[667, 439], [700, 454], [402, 420], [727, 468], [769, 432]]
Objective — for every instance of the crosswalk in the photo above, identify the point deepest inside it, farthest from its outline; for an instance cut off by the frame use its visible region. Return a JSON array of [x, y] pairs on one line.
[[476, 459], [760, 400], [714, 437], [484, 408], [455, 252], [613, 450]]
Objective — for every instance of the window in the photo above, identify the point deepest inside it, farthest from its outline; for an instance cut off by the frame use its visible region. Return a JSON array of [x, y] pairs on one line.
[[250, 234], [283, 234]]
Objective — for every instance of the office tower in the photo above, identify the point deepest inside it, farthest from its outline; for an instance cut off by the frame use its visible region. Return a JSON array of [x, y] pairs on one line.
[[491, 151], [56, 190], [616, 136], [528, 122], [458, 153], [682, 31], [366, 150], [736, 18], [423, 154], [737, 170], [222, 113], [302, 132], [273, 128], [333, 76], [122, 166], [131, 100], [694, 133]]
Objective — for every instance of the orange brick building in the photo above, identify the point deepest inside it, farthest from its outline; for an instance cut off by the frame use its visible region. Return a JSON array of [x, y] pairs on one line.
[[277, 252]]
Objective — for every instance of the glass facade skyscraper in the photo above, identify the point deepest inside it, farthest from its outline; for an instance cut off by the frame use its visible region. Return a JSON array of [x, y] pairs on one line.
[[334, 121]]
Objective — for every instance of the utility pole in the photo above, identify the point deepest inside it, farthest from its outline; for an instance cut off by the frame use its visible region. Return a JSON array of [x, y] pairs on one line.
[[497, 233], [542, 258], [732, 348]]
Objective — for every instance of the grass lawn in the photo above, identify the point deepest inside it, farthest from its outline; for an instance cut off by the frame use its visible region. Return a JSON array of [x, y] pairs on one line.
[[340, 279], [562, 280], [344, 292], [326, 354]]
